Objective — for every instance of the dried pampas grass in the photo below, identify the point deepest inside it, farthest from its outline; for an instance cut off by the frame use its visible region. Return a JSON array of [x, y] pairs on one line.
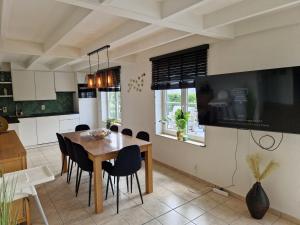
[[254, 161]]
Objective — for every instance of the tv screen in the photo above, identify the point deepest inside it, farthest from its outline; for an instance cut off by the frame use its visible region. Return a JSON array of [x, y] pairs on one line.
[[260, 100]]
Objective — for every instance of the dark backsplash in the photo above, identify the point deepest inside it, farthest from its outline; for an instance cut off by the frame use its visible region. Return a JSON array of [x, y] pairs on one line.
[[63, 104]]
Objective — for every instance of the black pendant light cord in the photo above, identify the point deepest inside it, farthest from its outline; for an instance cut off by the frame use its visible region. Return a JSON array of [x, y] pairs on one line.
[[270, 148], [107, 58], [98, 60], [90, 64]]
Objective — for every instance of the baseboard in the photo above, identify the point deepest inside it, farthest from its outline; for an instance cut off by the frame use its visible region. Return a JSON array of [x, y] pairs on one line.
[[235, 195], [41, 145]]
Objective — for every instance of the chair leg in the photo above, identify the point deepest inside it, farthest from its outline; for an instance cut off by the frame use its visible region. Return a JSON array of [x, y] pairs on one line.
[[90, 187], [70, 174], [127, 183], [111, 185], [138, 183], [68, 169], [107, 184], [78, 184], [131, 182], [118, 179], [62, 167]]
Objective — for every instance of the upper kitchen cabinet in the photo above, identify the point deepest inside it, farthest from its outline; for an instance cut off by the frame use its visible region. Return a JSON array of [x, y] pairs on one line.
[[44, 86], [65, 82], [30, 85], [23, 85]]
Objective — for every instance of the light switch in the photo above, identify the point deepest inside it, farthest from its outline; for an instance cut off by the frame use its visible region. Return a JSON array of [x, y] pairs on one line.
[[43, 107]]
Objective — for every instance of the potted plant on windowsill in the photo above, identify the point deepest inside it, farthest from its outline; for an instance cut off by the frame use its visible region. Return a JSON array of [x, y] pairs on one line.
[[181, 119]]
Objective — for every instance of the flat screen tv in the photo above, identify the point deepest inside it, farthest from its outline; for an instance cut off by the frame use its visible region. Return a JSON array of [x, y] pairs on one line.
[[260, 100]]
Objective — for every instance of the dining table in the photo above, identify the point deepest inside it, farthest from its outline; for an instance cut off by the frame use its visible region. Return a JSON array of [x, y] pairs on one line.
[[102, 149]]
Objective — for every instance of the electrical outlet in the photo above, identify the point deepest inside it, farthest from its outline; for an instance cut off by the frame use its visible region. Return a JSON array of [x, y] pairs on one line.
[[4, 109], [43, 107]]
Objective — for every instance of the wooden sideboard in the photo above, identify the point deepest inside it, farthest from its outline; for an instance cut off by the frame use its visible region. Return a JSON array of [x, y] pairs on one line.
[[13, 158]]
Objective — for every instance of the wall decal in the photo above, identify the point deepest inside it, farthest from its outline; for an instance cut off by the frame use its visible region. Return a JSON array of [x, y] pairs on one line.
[[136, 84]]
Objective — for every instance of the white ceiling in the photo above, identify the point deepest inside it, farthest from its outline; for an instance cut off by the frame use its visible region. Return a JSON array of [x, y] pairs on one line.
[[59, 33]]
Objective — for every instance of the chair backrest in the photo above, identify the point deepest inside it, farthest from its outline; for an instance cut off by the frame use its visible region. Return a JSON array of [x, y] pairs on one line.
[[127, 131], [82, 157], [114, 128], [143, 135], [128, 161], [69, 148], [62, 144], [82, 127]]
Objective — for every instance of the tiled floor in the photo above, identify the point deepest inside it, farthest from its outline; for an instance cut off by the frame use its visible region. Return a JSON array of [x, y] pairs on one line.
[[176, 200]]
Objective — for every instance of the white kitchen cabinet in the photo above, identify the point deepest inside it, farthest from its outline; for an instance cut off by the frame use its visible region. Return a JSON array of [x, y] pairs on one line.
[[47, 127], [67, 123], [44, 85], [88, 111], [27, 131], [65, 82], [23, 85], [14, 126]]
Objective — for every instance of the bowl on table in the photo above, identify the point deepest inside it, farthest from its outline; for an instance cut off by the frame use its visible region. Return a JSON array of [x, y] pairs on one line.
[[100, 133]]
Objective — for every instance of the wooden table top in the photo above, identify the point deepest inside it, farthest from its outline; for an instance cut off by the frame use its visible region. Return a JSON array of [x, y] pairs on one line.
[[10, 146], [112, 143]]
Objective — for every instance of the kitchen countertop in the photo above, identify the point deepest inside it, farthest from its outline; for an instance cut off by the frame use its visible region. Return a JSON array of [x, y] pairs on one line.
[[15, 119]]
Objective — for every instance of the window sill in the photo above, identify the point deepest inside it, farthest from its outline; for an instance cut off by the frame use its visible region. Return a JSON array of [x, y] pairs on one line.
[[197, 143]]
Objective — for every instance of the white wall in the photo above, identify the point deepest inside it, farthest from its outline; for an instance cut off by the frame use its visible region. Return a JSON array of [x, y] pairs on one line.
[[215, 162]]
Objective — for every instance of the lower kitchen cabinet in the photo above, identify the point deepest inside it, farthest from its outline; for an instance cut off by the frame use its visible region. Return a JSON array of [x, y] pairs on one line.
[[42, 130], [27, 131], [47, 127]]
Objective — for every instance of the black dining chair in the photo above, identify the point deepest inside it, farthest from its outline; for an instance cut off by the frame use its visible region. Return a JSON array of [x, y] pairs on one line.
[[82, 127], [84, 164], [63, 149], [127, 131], [114, 128], [128, 162], [143, 135], [72, 158]]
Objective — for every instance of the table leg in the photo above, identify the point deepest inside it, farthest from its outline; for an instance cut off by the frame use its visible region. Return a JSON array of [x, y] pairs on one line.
[[148, 170], [64, 160], [98, 185]]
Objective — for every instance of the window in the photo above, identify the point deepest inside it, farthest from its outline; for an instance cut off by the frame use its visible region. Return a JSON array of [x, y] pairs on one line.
[[184, 99], [111, 105]]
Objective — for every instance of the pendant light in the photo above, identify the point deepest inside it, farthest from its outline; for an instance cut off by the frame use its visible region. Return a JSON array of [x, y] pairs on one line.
[[90, 76], [98, 75], [109, 76]]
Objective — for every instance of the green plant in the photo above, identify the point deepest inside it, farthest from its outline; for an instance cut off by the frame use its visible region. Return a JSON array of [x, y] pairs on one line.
[[254, 162], [181, 119], [110, 122], [7, 191]]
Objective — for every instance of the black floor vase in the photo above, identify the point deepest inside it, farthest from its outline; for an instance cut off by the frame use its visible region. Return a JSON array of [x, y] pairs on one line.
[[257, 201]]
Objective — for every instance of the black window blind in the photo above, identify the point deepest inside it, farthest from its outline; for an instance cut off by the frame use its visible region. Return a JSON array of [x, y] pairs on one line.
[[179, 69]]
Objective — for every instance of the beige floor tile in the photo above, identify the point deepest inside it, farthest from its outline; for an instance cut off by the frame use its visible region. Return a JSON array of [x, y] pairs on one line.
[[190, 211], [192, 201], [172, 200], [224, 213], [208, 219], [153, 222], [155, 208], [87, 221], [172, 218], [283, 222], [236, 205], [136, 216], [205, 202]]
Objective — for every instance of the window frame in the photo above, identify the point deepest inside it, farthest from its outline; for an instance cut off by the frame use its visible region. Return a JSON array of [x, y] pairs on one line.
[[105, 109], [184, 107]]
